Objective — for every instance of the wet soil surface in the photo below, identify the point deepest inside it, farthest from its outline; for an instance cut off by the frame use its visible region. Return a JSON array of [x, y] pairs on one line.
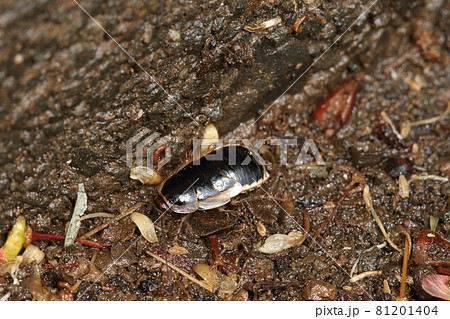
[[52, 138]]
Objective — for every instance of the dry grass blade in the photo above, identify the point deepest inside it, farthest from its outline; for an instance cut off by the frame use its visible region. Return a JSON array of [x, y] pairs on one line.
[[369, 207], [124, 214], [365, 274], [180, 271], [75, 222], [415, 177], [95, 215]]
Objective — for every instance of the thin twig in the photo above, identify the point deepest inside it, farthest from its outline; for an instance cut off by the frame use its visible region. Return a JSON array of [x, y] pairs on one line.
[[78, 211], [386, 288], [433, 119], [369, 207], [76, 285], [180, 271], [380, 246], [415, 177], [388, 120], [406, 253], [124, 214]]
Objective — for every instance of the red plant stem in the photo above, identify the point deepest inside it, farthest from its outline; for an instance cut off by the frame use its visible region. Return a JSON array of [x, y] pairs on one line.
[[41, 236]]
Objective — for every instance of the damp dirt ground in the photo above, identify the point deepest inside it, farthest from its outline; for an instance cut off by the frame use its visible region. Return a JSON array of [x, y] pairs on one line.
[[409, 83]]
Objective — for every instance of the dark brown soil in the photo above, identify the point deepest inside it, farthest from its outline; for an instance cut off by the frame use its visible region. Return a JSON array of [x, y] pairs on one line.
[[70, 98]]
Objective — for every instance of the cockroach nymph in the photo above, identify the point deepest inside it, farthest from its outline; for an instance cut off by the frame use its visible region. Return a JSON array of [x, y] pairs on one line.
[[207, 183]]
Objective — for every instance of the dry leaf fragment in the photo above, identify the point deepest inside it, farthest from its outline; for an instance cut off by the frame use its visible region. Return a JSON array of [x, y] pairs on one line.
[[263, 25], [216, 280], [33, 253], [146, 227], [208, 275], [279, 242], [178, 250], [6, 297]]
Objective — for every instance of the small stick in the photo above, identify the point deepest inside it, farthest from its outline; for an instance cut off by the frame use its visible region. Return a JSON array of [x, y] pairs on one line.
[[365, 274], [404, 266], [180, 271], [76, 285], [306, 221], [388, 120], [415, 177], [386, 288], [124, 214]]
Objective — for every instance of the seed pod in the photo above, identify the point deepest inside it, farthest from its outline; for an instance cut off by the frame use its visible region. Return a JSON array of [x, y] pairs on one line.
[[145, 175], [210, 137], [403, 186], [146, 227], [261, 229], [279, 242]]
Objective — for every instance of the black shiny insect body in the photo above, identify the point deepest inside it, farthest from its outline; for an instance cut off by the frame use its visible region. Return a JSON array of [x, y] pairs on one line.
[[212, 180]]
